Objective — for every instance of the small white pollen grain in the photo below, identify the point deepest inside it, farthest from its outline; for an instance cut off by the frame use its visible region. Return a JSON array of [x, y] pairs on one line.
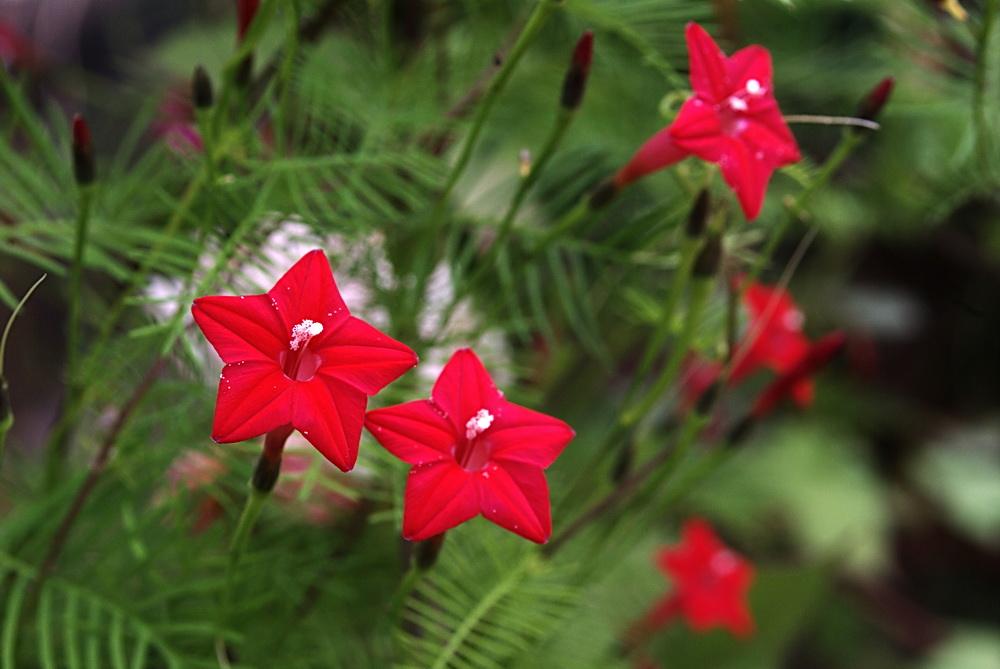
[[303, 332], [478, 424], [739, 104], [753, 87]]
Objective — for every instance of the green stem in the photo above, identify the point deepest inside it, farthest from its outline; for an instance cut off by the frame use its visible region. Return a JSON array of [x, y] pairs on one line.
[[562, 124], [688, 254], [980, 121], [850, 141], [568, 221], [76, 282], [285, 73], [498, 252], [700, 293], [535, 22], [425, 252], [57, 449]]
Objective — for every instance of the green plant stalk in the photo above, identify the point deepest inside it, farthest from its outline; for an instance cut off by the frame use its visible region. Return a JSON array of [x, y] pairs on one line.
[[498, 251], [535, 22], [700, 292], [57, 449], [76, 281], [848, 143], [980, 121], [6, 412], [567, 222], [425, 252], [563, 121], [688, 254], [285, 73], [73, 407], [632, 412]]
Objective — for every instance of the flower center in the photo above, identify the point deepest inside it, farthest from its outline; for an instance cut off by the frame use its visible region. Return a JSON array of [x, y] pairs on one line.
[[298, 363], [303, 332], [473, 453], [478, 424]]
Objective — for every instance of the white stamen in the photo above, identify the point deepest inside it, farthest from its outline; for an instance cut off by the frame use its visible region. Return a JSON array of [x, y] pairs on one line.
[[753, 87], [478, 424], [303, 332], [739, 104]]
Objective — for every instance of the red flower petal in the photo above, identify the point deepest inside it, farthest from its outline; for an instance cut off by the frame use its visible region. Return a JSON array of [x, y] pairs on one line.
[[752, 62], [698, 130], [708, 64], [748, 174], [765, 131], [308, 290], [329, 413], [521, 435], [515, 496], [439, 496], [463, 388], [415, 432], [362, 356], [254, 398], [240, 328], [658, 152]]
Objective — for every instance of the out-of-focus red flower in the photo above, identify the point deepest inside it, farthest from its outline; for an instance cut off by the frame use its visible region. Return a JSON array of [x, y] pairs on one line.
[[472, 452], [710, 583], [732, 120], [16, 50], [246, 10], [774, 340], [295, 356], [789, 384], [175, 124], [774, 337]]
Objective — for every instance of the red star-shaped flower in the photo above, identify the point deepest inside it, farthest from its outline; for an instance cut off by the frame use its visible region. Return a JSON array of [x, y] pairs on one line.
[[710, 583], [472, 452], [732, 120], [295, 356]]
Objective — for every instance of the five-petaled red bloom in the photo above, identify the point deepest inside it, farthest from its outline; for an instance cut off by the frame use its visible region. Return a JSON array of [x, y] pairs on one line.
[[296, 356], [732, 120], [710, 583], [472, 452]]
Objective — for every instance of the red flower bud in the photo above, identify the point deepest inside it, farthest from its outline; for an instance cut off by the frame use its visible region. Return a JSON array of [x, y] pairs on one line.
[[575, 82], [872, 105], [83, 152], [246, 10]]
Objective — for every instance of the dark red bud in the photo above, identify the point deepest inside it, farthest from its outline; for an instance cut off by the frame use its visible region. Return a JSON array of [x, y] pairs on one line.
[[698, 218], [872, 105], [819, 356], [575, 82], [428, 551], [246, 10], [706, 265], [201, 89], [602, 195], [83, 151]]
